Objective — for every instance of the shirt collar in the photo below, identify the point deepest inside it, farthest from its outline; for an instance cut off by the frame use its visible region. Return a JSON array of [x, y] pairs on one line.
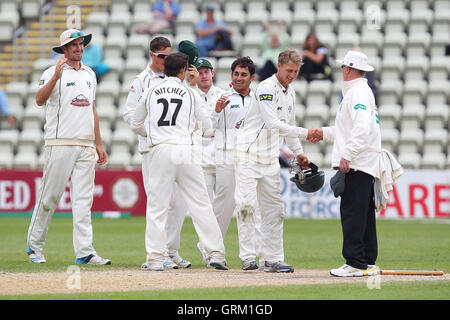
[[278, 83], [232, 91], [174, 79], [154, 74], [349, 84], [82, 66]]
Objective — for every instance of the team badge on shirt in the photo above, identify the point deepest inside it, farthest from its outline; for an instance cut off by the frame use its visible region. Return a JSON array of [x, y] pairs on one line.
[[80, 101], [88, 84], [239, 123], [265, 97]]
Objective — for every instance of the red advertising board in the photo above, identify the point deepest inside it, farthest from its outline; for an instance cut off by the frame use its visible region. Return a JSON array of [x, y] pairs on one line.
[[115, 190]]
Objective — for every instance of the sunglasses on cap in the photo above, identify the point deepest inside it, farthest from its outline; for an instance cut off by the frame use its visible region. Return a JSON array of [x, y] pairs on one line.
[[76, 34], [160, 55]]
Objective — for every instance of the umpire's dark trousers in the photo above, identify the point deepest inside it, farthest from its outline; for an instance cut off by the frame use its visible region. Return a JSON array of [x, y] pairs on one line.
[[358, 220]]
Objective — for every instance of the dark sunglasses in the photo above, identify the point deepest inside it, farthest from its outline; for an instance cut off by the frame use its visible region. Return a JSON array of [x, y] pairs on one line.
[[160, 55]]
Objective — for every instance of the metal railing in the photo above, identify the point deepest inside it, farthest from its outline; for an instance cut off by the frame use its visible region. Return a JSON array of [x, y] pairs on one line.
[[20, 33], [46, 10]]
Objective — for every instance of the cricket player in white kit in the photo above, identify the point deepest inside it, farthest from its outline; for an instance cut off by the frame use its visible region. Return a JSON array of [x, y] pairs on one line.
[[166, 114], [209, 94], [72, 142], [160, 48], [239, 98], [271, 118]]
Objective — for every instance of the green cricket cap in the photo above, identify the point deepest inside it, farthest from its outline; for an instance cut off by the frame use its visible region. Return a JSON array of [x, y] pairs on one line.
[[189, 48], [203, 63]]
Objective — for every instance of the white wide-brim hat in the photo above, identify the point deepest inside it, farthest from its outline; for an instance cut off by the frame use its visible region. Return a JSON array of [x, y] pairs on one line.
[[70, 35], [356, 60]]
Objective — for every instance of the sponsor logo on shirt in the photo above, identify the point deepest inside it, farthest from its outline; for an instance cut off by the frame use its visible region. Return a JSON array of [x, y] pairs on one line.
[[41, 82], [80, 101], [70, 84], [360, 106], [88, 84], [279, 108], [265, 97], [234, 106]]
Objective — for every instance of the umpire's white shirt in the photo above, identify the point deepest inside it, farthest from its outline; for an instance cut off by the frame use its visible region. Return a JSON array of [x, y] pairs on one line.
[[167, 113], [69, 116], [144, 80], [356, 133], [270, 119]]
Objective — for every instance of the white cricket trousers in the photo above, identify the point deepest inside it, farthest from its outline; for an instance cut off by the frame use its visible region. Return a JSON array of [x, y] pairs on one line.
[[258, 187], [62, 163], [175, 163], [223, 204], [177, 210]]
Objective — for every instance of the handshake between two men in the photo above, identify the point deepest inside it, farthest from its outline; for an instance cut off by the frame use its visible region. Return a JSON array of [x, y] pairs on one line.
[[315, 135]]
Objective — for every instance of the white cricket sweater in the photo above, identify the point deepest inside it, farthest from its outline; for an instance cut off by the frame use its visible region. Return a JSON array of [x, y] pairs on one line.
[[356, 133], [69, 116], [269, 120]]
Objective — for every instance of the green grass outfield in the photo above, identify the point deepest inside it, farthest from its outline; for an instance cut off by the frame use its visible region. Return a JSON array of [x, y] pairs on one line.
[[309, 244]]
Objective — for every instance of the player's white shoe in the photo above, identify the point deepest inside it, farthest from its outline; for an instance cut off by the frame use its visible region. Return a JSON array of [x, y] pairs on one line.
[[218, 265], [152, 266], [249, 264], [348, 271], [279, 267], [94, 259], [182, 263], [372, 270], [35, 257], [169, 264]]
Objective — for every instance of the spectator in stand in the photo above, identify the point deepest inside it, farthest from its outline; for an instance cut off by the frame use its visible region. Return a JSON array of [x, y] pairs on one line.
[[5, 110], [164, 14], [93, 57], [212, 35], [272, 44], [315, 60]]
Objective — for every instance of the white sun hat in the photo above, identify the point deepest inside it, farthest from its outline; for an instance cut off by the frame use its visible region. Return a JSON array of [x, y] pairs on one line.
[[70, 35], [356, 60]]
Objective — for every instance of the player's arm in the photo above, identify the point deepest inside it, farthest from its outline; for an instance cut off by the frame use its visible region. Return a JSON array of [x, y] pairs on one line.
[[132, 99], [139, 115], [294, 143], [48, 83], [102, 156]]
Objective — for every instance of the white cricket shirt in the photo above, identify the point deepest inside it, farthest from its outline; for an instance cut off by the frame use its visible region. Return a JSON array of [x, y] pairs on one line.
[[167, 113], [69, 116], [270, 119], [208, 146], [144, 80]]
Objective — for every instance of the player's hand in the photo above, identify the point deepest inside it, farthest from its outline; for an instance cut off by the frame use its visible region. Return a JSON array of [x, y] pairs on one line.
[[315, 135], [102, 156], [192, 75], [344, 165], [303, 161], [221, 104], [59, 67]]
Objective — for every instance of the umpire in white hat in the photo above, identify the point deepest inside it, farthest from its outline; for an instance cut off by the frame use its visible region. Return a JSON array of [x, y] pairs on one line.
[[356, 142]]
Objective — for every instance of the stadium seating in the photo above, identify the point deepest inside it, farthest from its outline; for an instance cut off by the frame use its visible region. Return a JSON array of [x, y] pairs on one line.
[[405, 41]]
